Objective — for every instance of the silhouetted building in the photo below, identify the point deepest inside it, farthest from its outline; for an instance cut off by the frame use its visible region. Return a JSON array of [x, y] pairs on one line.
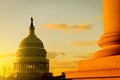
[[31, 59]]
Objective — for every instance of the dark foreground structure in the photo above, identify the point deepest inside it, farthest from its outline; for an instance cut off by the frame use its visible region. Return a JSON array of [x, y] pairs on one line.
[[45, 76]]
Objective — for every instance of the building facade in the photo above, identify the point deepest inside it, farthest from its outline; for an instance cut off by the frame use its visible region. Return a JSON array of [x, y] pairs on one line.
[[31, 58]]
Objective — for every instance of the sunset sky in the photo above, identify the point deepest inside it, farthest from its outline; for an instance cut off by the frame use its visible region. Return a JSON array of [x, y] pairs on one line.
[[69, 30]]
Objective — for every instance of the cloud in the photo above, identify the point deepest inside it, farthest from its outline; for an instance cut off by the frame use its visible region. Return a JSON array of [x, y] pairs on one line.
[[54, 54], [99, 17], [84, 43], [59, 66], [60, 27], [83, 27], [62, 53], [69, 28], [84, 57]]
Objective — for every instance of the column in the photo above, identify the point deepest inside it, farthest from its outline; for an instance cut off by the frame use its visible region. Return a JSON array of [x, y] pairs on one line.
[[16, 66], [25, 66], [20, 66], [35, 66], [110, 41], [37, 63], [48, 66]]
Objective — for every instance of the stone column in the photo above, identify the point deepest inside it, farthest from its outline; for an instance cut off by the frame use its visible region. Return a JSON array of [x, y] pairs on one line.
[[110, 41]]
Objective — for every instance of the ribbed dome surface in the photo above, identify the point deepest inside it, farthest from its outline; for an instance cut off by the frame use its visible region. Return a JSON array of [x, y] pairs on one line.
[[31, 41]]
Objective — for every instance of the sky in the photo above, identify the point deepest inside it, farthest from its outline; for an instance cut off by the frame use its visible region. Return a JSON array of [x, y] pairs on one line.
[[69, 30]]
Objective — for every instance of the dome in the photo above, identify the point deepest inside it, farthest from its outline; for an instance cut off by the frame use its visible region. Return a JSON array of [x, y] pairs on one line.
[[31, 56], [31, 41]]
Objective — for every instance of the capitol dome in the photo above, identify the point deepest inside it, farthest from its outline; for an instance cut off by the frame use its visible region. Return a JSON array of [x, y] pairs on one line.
[[31, 41], [31, 57]]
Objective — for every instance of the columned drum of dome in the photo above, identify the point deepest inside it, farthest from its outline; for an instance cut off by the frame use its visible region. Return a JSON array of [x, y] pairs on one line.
[[31, 58]]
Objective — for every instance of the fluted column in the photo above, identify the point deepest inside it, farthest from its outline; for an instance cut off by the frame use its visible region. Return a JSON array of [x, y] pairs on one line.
[[110, 41]]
